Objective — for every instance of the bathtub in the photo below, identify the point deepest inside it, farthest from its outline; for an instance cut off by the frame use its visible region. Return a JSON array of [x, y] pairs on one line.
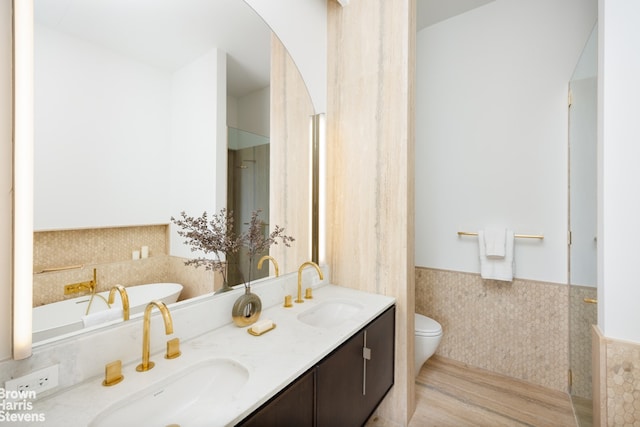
[[62, 317]]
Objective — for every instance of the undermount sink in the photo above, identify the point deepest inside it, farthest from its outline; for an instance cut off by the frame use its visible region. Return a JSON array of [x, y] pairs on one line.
[[328, 314], [181, 399]]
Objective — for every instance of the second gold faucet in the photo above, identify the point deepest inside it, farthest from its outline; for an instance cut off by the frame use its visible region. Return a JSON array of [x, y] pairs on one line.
[[168, 329], [302, 267]]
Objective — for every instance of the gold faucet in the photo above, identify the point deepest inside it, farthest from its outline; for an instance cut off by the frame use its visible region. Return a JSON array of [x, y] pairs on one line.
[[273, 260], [89, 285], [306, 264], [123, 296], [168, 329]]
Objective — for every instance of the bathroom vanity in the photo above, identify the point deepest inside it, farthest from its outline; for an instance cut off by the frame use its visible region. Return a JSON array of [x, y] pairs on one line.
[[329, 361], [343, 389]]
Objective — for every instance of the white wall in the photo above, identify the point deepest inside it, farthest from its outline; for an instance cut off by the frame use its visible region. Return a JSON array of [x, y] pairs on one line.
[[302, 27], [6, 174], [253, 112], [102, 133], [619, 151], [491, 132], [198, 119], [250, 112]]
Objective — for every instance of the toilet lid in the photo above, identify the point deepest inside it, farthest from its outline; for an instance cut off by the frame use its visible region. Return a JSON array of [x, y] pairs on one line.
[[425, 326]]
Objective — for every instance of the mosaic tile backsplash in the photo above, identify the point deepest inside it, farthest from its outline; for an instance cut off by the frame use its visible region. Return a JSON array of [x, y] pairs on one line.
[[517, 329], [109, 250]]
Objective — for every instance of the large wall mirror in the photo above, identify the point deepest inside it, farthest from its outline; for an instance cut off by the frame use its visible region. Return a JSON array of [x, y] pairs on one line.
[[135, 102]]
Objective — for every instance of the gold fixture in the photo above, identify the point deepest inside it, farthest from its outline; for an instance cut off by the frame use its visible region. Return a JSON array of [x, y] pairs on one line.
[[257, 334], [89, 285], [590, 300], [173, 349], [53, 269], [517, 236], [273, 260], [306, 264], [308, 293], [123, 296], [287, 301], [168, 329], [112, 373]]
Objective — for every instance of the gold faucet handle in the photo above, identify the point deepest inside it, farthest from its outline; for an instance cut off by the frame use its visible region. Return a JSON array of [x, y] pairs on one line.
[[287, 301], [308, 293], [173, 349], [112, 373]]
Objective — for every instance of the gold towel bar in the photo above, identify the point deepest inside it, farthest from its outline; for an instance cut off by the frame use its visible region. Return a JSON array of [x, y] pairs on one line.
[[518, 236], [67, 267]]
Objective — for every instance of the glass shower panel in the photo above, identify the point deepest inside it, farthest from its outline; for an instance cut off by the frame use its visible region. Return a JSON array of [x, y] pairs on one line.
[[583, 227]]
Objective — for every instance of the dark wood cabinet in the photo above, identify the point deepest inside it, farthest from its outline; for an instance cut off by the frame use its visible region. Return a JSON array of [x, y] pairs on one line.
[[343, 389], [292, 407], [352, 381]]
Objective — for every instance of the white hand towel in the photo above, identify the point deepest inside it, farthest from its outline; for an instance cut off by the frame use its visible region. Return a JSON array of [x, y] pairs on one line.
[[495, 242], [497, 268], [103, 316]]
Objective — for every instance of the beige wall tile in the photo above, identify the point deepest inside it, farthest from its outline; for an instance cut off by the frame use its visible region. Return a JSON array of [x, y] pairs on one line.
[[518, 329]]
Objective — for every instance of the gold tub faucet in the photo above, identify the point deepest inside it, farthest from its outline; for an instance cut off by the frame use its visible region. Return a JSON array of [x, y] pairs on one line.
[[306, 264], [168, 329], [123, 296]]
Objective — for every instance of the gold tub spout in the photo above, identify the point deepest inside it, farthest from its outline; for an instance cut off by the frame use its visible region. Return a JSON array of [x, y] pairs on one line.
[[168, 329], [123, 296], [273, 260], [306, 264]]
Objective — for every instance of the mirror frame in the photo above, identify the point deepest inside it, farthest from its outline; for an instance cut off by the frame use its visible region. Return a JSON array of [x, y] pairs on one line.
[[23, 161]]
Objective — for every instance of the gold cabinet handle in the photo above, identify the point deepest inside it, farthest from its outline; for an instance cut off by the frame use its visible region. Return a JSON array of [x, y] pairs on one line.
[[590, 300]]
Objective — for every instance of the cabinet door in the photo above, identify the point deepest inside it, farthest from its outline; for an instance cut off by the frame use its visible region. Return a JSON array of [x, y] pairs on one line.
[[379, 338], [352, 381], [293, 407], [339, 380]]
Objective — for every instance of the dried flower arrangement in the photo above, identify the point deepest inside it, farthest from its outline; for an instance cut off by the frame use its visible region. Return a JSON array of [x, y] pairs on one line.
[[216, 236]]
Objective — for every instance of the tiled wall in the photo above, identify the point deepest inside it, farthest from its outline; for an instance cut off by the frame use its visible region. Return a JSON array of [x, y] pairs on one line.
[[582, 317], [623, 383], [109, 251], [517, 329]]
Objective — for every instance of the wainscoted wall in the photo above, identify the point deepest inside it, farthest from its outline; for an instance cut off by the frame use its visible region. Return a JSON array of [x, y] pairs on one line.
[[109, 251], [616, 380], [517, 329], [582, 317]]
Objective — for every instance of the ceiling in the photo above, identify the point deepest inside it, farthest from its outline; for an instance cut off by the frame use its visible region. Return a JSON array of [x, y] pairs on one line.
[[430, 12], [170, 33]]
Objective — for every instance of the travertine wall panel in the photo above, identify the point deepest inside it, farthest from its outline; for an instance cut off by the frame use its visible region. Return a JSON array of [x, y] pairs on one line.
[[370, 140]]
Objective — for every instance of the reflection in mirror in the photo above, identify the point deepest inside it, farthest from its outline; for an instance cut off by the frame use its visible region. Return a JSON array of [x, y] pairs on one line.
[[131, 128], [247, 192]]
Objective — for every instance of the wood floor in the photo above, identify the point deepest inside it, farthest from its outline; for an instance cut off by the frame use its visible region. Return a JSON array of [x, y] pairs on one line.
[[450, 394]]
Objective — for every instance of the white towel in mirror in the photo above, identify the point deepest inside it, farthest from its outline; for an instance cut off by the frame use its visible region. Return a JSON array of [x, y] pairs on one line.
[[103, 316]]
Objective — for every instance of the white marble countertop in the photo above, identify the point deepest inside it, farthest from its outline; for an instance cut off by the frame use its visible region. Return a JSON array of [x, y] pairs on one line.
[[273, 360]]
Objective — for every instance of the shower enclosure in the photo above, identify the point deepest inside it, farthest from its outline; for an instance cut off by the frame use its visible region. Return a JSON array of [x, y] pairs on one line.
[[583, 240]]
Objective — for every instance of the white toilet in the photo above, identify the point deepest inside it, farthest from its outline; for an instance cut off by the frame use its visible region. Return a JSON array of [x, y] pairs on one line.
[[427, 337]]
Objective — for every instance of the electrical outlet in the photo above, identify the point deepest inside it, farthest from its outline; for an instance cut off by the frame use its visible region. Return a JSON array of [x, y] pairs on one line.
[[37, 381]]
